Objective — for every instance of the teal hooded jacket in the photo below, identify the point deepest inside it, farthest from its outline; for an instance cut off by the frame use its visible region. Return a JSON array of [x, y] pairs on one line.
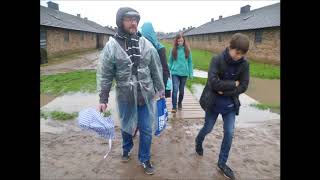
[[181, 66]]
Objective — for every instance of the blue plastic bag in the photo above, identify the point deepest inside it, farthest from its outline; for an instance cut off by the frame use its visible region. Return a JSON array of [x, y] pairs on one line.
[[162, 116]]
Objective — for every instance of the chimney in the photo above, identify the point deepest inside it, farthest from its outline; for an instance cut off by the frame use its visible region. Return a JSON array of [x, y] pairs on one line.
[[212, 19], [78, 15], [53, 5], [220, 17], [245, 9], [85, 18]]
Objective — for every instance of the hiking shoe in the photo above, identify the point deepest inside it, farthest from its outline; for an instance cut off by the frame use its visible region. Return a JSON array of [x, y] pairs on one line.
[[148, 168], [199, 148], [226, 170], [174, 110], [179, 106], [125, 156]]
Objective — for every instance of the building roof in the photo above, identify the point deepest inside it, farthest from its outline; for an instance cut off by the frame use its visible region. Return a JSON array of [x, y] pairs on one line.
[[268, 16], [55, 18], [173, 34]]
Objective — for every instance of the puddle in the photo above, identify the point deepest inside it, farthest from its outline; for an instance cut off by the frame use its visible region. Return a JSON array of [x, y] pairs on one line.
[[45, 99], [200, 73], [78, 101], [248, 115], [266, 91], [75, 102]]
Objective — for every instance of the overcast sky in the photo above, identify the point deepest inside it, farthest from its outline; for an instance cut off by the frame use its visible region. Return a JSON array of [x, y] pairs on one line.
[[166, 16]]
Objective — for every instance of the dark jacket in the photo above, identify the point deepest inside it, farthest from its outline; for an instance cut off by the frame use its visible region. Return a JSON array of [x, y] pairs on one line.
[[214, 83], [165, 68]]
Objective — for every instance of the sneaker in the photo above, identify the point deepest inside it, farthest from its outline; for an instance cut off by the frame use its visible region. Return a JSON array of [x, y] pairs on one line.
[[199, 148], [125, 156], [179, 106], [174, 110], [148, 168], [226, 170]]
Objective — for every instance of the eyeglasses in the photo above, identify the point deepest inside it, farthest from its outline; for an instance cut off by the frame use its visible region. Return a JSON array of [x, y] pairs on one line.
[[131, 19]]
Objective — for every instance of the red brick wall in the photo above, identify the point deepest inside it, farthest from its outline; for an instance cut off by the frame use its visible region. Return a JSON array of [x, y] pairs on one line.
[[267, 51], [57, 44]]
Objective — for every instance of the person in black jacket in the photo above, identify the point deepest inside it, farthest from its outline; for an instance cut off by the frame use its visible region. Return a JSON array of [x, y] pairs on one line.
[[228, 77], [148, 32]]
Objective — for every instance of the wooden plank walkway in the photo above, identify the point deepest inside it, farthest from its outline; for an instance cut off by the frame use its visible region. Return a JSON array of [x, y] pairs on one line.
[[191, 108]]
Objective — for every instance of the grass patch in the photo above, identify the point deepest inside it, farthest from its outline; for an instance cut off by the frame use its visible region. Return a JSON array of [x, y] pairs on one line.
[[195, 80], [265, 106], [44, 114], [58, 115], [107, 113], [83, 80], [264, 71], [201, 60]]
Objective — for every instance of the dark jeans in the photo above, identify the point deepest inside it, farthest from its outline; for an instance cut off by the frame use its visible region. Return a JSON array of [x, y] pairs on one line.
[[145, 129], [228, 127], [178, 83]]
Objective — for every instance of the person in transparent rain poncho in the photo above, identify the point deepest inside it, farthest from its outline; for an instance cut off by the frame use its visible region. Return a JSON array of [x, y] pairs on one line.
[[134, 63]]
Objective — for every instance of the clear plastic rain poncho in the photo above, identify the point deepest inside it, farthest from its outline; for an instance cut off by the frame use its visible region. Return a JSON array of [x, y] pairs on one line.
[[114, 63]]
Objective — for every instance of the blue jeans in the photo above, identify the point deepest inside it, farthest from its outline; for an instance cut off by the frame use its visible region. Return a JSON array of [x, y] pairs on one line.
[[178, 83], [145, 129], [228, 128]]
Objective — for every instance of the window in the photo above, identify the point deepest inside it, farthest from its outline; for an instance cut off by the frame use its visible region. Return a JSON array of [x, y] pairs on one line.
[[43, 38], [220, 38], [82, 35], [209, 37], [92, 37], [66, 36], [258, 36]]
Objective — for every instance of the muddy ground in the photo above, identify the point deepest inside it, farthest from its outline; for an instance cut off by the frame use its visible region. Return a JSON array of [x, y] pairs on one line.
[[69, 153]]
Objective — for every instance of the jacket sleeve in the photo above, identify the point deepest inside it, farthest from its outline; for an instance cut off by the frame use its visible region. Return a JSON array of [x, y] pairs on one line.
[[156, 70], [244, 82], [190, 65], [170, 60], [105, 74], [213, 78], [163, 59]]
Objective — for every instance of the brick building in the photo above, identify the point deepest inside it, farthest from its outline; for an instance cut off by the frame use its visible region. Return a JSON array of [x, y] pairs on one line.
[[63, 33], [261, 25]]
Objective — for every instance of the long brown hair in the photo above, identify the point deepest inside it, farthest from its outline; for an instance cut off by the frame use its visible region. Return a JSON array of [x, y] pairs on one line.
[[175, 44]]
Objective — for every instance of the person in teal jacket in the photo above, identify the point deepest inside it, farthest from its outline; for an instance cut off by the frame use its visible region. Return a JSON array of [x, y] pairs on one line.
[[181, 68]]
